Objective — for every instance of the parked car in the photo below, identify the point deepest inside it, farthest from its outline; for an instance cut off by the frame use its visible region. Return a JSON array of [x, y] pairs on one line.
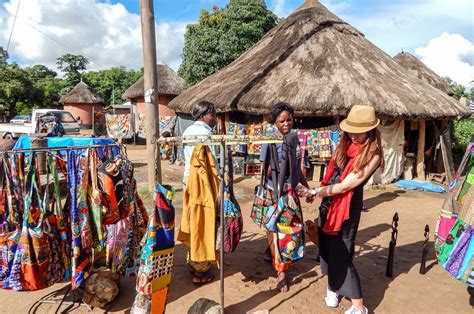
[[14, 130], [21, 119]]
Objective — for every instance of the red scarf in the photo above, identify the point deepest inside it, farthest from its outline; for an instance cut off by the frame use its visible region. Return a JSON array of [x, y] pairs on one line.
[[338, 211]]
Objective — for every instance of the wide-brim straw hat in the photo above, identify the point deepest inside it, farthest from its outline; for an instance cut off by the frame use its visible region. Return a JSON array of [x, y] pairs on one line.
[[360, 119]]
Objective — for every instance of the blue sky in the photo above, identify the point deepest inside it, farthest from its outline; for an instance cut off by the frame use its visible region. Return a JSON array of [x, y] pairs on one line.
[[439, 32]]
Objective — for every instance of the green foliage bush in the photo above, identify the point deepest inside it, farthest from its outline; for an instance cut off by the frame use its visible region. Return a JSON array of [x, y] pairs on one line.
[[463, 130]]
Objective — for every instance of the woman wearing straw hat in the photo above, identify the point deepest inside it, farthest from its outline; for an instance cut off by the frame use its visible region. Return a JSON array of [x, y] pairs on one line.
[[356, 158]]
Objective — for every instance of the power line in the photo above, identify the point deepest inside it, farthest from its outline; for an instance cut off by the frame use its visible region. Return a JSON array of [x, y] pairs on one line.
[[41, 32], [13, 26]]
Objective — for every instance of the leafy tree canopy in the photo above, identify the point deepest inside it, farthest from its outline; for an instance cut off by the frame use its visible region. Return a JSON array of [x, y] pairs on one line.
[[72, 66], [222, 35], [111, 83]]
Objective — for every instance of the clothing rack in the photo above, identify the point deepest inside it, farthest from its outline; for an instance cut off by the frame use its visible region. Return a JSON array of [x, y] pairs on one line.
[[47, 149], [222, 141], [74, 300]]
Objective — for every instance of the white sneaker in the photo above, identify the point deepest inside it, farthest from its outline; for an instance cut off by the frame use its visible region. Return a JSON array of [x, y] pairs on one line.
[[354, 310], [331, 299]]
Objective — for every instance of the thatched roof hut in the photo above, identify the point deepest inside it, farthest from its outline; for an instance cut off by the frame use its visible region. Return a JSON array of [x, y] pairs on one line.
[[420, 70], [169, 83], [81, 102], [322, 66], [81, 94]]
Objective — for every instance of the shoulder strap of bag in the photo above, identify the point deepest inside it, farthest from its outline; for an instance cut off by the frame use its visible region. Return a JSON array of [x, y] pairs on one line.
[[274, 163], [266, 163]]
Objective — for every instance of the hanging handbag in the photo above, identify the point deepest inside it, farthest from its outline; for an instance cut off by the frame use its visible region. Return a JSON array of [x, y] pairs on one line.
[[233, 222], [33, 249], [156, 260]]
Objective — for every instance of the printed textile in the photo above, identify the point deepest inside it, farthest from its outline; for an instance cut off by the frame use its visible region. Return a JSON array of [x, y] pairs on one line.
[[119, 125]]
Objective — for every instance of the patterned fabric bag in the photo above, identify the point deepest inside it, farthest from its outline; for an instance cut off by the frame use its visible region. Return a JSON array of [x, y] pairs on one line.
[[156, 260], [33, 247], [115, 177], [290, 228], [232, 212]]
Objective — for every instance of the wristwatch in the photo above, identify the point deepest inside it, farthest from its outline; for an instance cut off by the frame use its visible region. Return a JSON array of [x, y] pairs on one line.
[[313, 192]]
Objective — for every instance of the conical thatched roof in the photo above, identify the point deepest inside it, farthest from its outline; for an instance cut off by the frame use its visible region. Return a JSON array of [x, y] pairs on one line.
[[322, 66], [169, 83], [420, 70], [81, 94]]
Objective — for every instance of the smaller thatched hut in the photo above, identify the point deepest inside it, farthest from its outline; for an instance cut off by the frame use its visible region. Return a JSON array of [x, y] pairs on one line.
[[420, 70], [81, 102], [169, 86]]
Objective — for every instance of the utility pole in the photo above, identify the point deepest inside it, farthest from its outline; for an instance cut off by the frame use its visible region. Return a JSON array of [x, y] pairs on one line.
[[150, 92]]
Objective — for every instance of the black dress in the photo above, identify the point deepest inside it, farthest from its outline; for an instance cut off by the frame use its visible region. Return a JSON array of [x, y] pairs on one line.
[[337, 251]]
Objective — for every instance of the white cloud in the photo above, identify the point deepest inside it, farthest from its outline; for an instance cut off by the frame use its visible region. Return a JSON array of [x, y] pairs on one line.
[[450, 55], [107, 34]]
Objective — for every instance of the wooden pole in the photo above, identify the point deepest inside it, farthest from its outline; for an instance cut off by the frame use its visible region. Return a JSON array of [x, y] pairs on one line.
[[150, 91], [420, 158]]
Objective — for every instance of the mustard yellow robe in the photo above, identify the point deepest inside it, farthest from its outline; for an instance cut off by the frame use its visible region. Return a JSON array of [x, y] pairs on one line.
[[200, 205]]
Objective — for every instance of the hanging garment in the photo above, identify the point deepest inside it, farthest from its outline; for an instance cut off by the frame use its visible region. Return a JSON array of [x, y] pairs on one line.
[[198, 223], [81, 251]]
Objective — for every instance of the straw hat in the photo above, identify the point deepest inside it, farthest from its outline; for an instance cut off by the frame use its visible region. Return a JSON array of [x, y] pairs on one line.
[[360, 119]]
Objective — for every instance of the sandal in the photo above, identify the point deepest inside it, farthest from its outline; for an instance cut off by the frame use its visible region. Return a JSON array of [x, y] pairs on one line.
[[282, 284], [202, 280]]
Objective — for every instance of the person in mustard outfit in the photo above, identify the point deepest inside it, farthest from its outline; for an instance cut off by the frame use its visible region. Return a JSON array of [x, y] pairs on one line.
[[201, 190]]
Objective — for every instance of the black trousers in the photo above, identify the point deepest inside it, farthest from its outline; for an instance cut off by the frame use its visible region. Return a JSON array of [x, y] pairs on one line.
[[336, 254]]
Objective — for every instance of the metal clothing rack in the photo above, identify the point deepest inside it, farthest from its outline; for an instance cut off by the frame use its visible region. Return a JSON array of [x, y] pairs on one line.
[[222, 141], [69, 291], [61, 148]]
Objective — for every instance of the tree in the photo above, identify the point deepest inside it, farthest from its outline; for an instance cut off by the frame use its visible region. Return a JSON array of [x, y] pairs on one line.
[[221, 36], [72, 66], [46, 83], [3, 56], [111, 83], [17, 89]]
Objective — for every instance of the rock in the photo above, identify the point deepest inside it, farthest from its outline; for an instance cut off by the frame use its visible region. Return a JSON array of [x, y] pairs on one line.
[[205, 306], [101, 288]]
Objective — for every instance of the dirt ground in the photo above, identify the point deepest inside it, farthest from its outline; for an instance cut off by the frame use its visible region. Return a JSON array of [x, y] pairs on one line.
[[250, 281]]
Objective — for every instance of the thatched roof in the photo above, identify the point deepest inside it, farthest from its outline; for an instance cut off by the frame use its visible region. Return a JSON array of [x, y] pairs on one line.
[[420, 70], [169, 83], [322, 66], [81, 94]]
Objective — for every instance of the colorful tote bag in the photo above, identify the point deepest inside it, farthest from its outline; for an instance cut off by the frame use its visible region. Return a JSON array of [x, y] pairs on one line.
[[233, 222], [33, 249], [156, 260]]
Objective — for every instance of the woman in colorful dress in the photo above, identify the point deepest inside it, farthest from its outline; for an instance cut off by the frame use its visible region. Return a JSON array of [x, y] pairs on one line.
[[282, 116], [356, 158]]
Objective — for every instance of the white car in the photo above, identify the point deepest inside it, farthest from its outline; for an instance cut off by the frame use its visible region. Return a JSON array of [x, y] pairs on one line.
[[21, 119]]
